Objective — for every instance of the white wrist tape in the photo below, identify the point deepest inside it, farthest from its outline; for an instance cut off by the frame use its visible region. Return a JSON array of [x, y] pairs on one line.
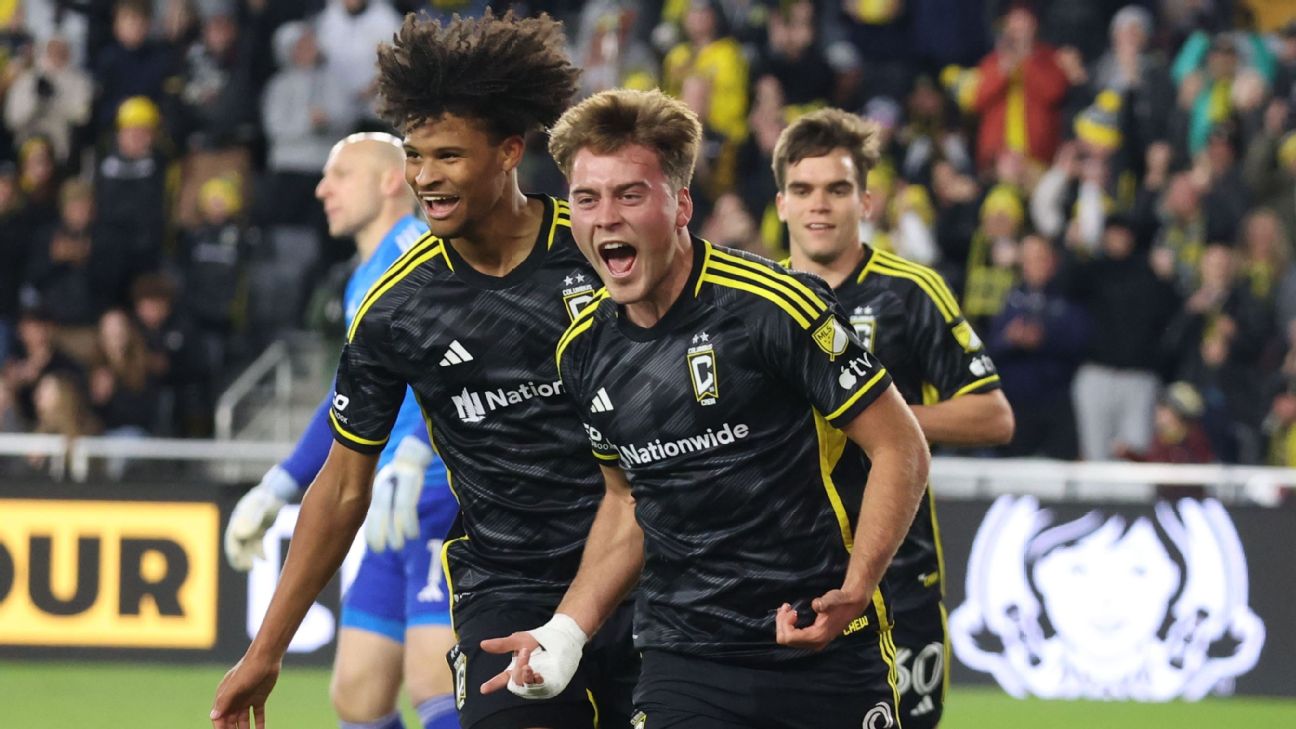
[[555, 661]]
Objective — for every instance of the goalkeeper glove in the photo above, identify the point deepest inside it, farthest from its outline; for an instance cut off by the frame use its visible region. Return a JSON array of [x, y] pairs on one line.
[[253, 515], [393, 511]]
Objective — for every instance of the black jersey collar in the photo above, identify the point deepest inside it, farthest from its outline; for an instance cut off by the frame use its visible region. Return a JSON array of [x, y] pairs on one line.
[[544, 240], [680, 310]]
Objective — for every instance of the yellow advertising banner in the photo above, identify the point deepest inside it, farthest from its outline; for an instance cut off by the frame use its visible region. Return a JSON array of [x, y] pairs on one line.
[[127, 574]]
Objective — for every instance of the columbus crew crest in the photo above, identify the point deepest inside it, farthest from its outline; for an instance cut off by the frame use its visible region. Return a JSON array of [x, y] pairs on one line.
[[577, 293], [702, 369], [864, 321]]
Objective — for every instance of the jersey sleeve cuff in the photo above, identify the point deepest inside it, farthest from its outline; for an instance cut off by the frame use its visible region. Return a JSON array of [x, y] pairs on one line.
[[353, 441], [871, 390], [985, 384]]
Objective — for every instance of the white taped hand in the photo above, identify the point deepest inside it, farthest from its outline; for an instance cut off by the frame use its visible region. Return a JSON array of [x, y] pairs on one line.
[[555, 661], [393, 510], [253, 515]]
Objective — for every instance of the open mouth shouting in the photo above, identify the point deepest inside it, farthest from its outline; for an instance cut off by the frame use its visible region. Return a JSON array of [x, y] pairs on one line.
[[438, 206], [618, 258]]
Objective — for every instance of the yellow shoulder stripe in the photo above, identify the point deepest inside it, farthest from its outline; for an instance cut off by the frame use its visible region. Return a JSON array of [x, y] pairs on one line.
[[399, 270], [720, 279], [706, 262], [935, 279], [938, 292], [853, 398], [801, 293], [561, 216], [583, 321], [351, 437]]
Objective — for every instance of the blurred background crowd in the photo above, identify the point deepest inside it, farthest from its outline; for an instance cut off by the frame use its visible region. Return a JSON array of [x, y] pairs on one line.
[[1108, 187]]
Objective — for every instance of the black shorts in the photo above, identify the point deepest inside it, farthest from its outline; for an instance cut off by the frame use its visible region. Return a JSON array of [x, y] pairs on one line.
[[603, 685], [839, 689], [922, 664]]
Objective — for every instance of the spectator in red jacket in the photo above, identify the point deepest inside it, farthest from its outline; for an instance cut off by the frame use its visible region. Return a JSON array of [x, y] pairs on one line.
[[1020, 92]]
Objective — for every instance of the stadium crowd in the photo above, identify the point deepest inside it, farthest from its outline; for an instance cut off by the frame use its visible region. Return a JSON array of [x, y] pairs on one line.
[[1109, 187]]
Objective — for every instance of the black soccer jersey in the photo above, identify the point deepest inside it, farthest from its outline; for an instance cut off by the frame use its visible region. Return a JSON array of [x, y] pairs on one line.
[[905, 314], [720, 416], [478, 352]]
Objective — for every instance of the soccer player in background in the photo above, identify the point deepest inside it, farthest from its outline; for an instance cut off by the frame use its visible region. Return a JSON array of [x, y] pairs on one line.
[[905, 314], [718, 390], [395, 615], [468, 318]]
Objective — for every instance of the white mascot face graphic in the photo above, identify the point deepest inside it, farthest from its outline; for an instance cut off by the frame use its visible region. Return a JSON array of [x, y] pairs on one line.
[[1125, 619]]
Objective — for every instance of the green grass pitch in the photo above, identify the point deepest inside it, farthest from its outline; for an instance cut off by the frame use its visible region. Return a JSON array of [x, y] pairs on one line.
[[50, 695]]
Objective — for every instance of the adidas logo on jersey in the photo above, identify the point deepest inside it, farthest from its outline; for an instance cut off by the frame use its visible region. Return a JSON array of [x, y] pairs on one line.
[[455, 354], [601, 402]]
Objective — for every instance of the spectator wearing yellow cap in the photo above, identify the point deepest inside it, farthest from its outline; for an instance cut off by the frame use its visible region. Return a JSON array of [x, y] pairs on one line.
[[215, 115], [1090, 177], [1099, 125], [213, 257], [131, 184], [992, 258]]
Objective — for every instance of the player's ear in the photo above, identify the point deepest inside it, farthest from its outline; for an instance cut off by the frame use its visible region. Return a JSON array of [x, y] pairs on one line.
[[392, 182], [866, 200], [511, 151], [684, 213], [778, 205]]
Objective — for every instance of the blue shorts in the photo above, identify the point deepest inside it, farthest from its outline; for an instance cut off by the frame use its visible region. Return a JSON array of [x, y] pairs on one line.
[[397, 589]]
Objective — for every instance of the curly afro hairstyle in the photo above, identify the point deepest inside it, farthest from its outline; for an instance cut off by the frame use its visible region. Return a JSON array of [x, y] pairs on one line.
[[510, 73]]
